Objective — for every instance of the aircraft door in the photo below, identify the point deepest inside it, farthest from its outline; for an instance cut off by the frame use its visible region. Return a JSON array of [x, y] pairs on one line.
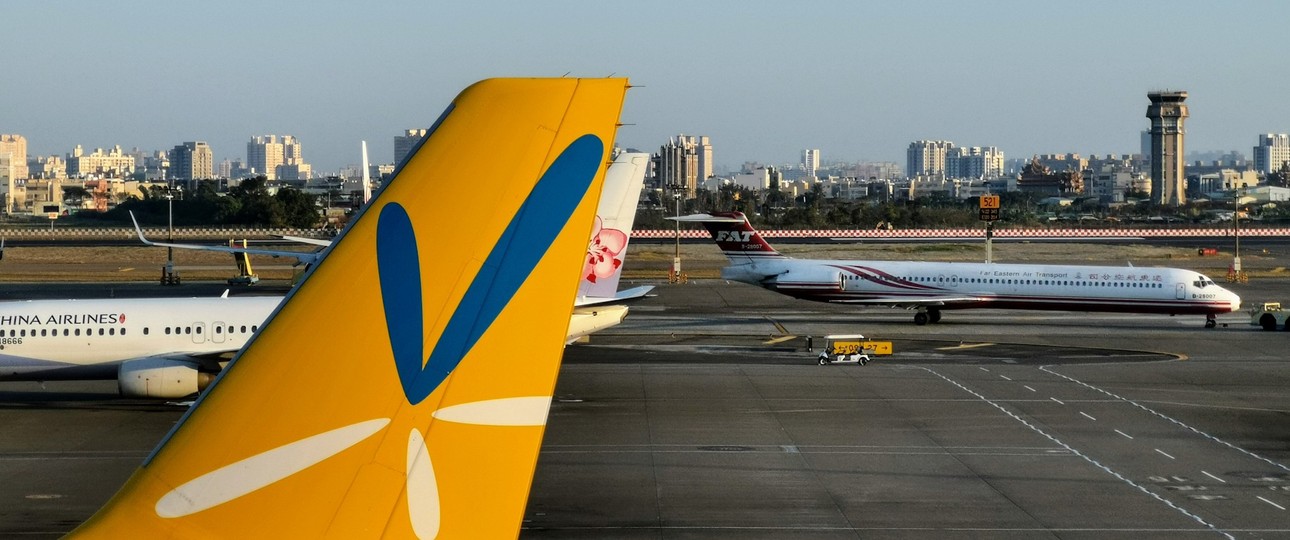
[[217, 331], [199, 332], [954, 281], [1181, 291]]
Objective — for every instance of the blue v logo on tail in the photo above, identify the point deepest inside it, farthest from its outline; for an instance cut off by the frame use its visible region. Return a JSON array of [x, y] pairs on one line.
[[535, 226]]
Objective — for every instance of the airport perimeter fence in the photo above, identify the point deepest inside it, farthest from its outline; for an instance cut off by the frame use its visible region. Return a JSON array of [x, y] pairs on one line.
[[965, 233], [90, 234], [223, 234]]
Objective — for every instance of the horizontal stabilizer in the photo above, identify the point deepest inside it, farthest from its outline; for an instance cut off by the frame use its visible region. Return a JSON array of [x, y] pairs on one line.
[[706, 218], [632, 294]]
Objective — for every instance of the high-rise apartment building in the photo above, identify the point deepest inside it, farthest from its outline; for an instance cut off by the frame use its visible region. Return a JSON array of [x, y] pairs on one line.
[[7, 182], [683, 162], [926, 158], [703, 150], [811, 161], [974, 162], [113, 163], [191, 161], [16, 147], [1168, 114], [47, 167], [1271, 153], [403, 144], [265, 154]]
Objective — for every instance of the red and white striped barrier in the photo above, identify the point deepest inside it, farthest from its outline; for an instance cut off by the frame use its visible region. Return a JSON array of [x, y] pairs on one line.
[[980, 233]]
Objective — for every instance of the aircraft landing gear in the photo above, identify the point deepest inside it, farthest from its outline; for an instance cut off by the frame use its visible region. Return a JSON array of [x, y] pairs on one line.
[[1210, 321], [924, 316]]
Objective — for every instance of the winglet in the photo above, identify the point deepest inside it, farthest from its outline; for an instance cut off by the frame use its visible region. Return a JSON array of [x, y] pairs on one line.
[[386, 397], [139, 230]]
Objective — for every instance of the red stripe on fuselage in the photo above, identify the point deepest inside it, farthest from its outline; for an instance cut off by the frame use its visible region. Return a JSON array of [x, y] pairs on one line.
[[867, 273], [1045, 303]]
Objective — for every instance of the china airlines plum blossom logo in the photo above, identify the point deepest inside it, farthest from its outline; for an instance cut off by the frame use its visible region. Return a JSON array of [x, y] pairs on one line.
[[603, 258]]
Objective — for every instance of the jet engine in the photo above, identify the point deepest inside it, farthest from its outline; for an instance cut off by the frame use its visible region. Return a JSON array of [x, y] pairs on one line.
[[160, 378], [814, 279]]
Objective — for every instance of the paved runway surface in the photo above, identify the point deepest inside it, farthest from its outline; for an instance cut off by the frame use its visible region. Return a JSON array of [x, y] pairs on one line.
[[703, 416]]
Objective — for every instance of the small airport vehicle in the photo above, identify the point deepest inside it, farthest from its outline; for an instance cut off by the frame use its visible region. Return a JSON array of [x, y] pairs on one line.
[[1269, 315], [845, 349]]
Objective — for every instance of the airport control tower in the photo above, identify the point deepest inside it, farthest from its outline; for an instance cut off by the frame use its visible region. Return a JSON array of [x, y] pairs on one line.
[[1167, 113]]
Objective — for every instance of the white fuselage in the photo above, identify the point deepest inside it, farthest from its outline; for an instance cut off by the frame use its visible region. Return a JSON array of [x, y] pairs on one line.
[[980, 285], [74, 339]]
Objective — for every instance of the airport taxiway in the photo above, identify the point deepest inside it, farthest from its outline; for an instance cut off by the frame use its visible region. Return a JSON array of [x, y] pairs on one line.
[[703, 416]]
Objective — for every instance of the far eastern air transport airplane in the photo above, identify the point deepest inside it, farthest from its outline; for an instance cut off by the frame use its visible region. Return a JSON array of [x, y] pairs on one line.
[[933, 287], [402, 389], [174, 347]]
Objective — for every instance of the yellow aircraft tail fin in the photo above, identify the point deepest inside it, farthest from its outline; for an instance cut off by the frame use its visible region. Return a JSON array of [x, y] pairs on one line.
[[402, 389]]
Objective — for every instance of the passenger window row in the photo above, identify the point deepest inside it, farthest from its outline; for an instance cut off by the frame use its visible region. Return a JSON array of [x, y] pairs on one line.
[[188, 330], [47, 332], [114, 331], [1005, 281]]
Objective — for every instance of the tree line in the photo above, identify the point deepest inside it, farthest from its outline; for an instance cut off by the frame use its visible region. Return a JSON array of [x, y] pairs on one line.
[[247, 204], [772, 209]]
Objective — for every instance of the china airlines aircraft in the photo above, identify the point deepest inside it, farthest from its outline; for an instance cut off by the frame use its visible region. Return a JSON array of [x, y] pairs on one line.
[[933, 287], [174, 347], [402, 389], [153, 347]]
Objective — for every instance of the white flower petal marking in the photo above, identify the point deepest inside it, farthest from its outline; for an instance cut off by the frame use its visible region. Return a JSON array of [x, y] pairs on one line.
[[423, 489], [242, 477], [516, 411]]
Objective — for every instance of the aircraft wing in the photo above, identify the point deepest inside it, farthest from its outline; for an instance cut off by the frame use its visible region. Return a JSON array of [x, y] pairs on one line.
[[210, 361], [706, 218], [305, 257], [907, 302], [634, 293], [310, 241]]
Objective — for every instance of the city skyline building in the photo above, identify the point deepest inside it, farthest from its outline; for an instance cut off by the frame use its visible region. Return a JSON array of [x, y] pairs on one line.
[[1168, 115], [114, 162], [265, 155], [683, 163], [974, 162], [46, 167], [191, 161], [403, 144], [926, 158], [811, 161], [1272, 152], [16, 146]]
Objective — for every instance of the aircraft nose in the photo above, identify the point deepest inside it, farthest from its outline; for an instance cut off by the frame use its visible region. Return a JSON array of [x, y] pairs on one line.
[[1234, 300]]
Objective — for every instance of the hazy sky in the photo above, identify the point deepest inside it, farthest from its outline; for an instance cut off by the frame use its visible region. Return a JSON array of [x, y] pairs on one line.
[[858, 80]]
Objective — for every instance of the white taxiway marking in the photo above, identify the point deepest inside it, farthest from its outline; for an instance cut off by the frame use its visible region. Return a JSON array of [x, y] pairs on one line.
[[1059, 402], [1162, 452], [1214, 477], [1083, 456], [1029, 388], [1174, 420], [1005, 377], [1086, 415], [1279, 507], [1126, 435]]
